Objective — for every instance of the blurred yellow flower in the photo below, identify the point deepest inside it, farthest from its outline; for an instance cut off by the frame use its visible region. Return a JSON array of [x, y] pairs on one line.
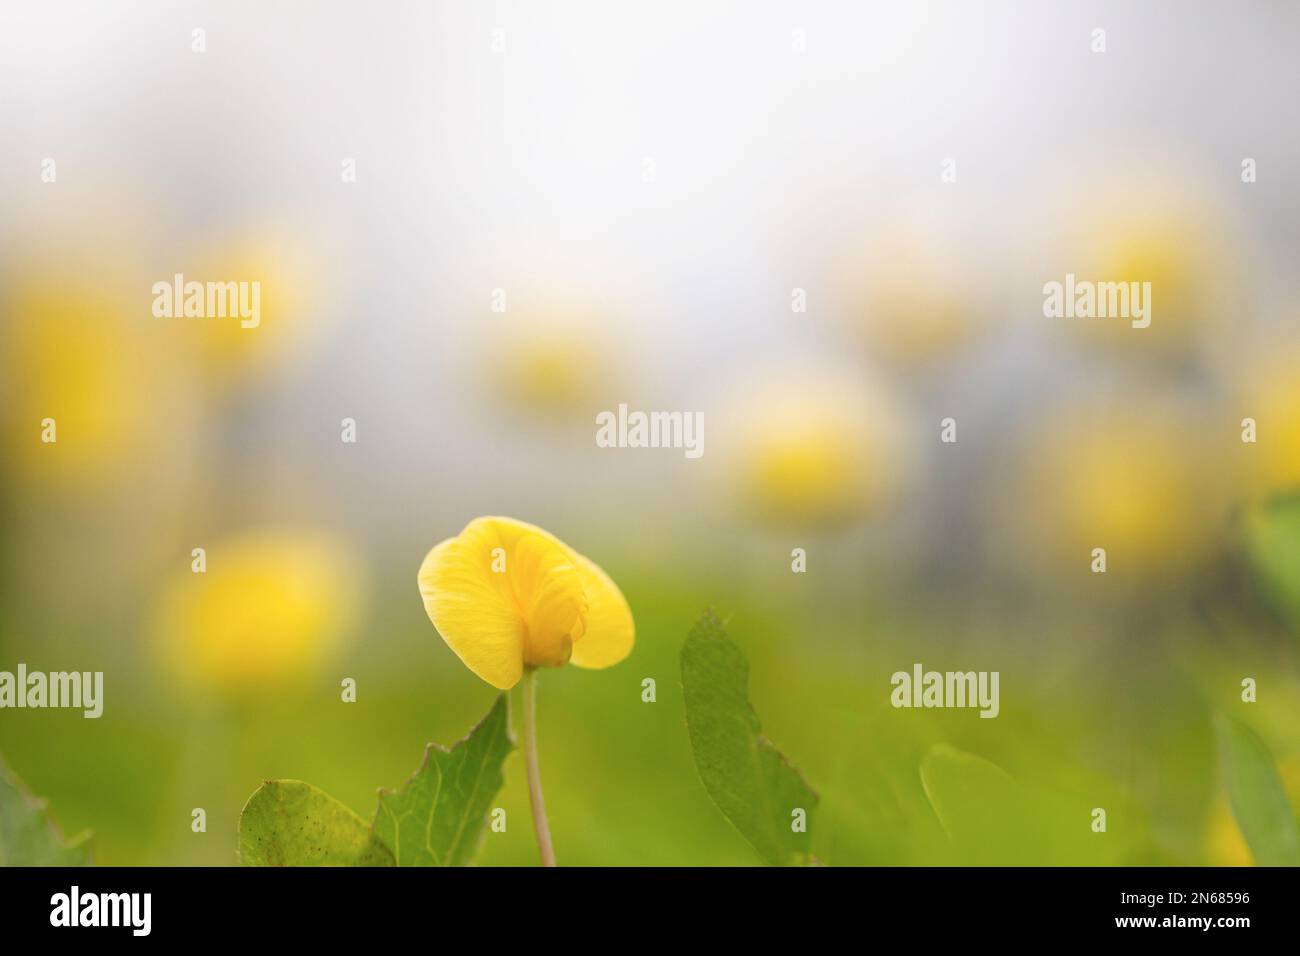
[[269, 609], [550, 361], [1165, 234], [915, 286], [1270, 394], [913, 305], [811, 448], [1135, 482], [291, 288], [72, 355], [506, 595]]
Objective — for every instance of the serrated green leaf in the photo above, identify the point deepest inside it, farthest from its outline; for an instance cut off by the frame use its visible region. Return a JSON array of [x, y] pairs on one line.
[[28, 836], [1258, 797], [1272, 531], [291, 823], [752, 783], [438, 818]]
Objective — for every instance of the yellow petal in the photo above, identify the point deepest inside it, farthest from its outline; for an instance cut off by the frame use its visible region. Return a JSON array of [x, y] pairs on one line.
[[471, 611], [610, 631], [548, 592]]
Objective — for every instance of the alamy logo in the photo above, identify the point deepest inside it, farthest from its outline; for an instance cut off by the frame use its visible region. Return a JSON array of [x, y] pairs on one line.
[[103, 909], [75, 689], [923, 688], [208, 300], [1098, 300], [651, 430]]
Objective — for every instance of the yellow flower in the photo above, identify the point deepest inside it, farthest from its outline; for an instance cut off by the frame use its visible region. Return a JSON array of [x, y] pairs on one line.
[[550, 361], [1169, 236], [811, 447], [1270, 394], [70, 352], [916, 307], [293, 293], [506, 595], [1135, 479], [268, 608]]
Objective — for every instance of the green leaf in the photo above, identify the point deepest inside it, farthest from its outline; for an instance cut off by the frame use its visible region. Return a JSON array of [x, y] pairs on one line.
[[1273, 548], [28, 836], [438, 818], [291, 823], [752, 783], [976, 801], [1259, 800], [994, 820]]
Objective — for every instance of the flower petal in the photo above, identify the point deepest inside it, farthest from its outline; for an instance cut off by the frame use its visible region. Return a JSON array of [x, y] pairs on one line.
[[470, 606], [610, 631], [550, 592]]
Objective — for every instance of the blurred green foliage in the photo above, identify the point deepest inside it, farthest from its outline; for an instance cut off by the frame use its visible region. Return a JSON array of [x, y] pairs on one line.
[[1093, 715], [1273, 544]]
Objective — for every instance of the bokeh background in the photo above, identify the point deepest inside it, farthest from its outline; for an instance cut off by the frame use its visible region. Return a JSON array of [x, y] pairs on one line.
[[648, 184]]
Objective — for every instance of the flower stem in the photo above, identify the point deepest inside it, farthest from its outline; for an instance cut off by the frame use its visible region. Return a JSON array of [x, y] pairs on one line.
[[534, 772]]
